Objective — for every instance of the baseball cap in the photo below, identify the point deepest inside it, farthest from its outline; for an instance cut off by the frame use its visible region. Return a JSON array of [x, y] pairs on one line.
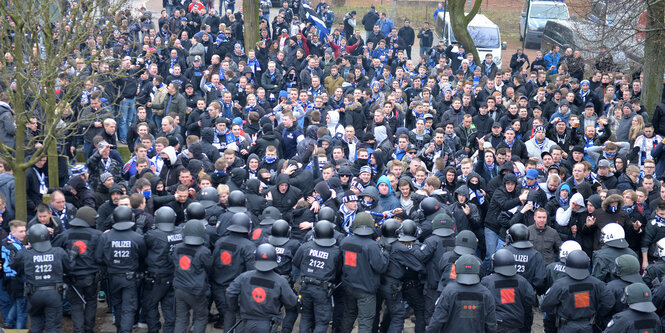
[[496, 124], [197, 58], [532, 174], [603, 163]]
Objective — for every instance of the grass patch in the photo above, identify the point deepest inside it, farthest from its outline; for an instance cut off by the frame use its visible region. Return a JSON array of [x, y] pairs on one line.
[[508, 22]]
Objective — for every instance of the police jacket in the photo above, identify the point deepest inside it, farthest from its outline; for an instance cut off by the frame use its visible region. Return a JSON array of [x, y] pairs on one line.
[[160, 245], [260, 234], [577, 300], [432, 250], [86, 240], [447, 272], [603, 261], [192, 264], [464, 308], [529, 263], [41, 269], [233, 255], [616, 287], [514, 297], [364, 262], [120, 251], [318, 262], [401, 259], [554, 271], [655, 271], [285, 253], [260, 295], [653, 231], [634, 321]]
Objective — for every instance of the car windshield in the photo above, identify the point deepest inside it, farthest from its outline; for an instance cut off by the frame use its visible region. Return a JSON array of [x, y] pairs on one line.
[[549, 11], [484, 37]]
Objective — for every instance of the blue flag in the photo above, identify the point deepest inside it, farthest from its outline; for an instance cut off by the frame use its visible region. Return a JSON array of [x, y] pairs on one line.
[[310, 14]]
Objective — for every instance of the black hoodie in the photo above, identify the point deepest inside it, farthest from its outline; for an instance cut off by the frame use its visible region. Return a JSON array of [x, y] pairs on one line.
[[83, 197], [255, 201], [284, 201]]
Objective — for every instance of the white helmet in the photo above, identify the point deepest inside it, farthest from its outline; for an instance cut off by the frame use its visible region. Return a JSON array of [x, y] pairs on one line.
[[613, 235], [661, 247], [567, 247]]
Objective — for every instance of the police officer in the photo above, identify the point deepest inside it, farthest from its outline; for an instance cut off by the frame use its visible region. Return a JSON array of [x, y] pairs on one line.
[[81, 239], [640, 315], [465, 243], [121, 251], [268, 217], [464, 305], [578, 298], [210, 203], [364, 262], [286, 248], [259, 294], [627, 272], [407, 252], [655, 272], [528, 261], [232, 256], [441, 241], [158, 284], [319, 262], [614, 242], [237, 203], [196, 212], [43, 267], [192, 261], [513, 294], [429, 207], [555, 271], [390, 290]]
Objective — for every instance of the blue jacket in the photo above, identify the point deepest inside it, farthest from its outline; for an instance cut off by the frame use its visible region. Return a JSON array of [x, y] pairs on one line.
[[552, 59], [386, 27], [389, 201]]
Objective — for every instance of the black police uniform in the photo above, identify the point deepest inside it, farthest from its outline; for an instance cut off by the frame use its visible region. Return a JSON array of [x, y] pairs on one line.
[[412, 289], [630, 320], [82, 277], [258, 298], [44, 272], [433, 249], [233, 255], [122, 251], [553, 272], [363, 263], [603, 261], [514, 297], [158, 284], [654, 272], [319, 269], [576, 302], [447, 269], [190, 281], [285, 253], [260, 234], [224, 220]]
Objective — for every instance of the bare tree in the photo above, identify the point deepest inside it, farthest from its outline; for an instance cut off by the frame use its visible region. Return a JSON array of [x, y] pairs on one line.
[[42, 77], [460, 22]]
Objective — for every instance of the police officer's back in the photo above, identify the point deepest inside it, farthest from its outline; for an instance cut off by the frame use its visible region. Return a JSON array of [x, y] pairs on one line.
[[285, 246], [465, 243], [578, 298], [121, 250], [158, 284], [557, 269], [429, 207], [44, 267], [441, 241], [260, 234], [528, 261], [319, 262], [627, 272], [363, 264], [259, 294], [464, 305], [237, 203], [640, 315], [81, 240], [614, 245], [513, 294], [232, 256], [192, 261], [391, 287], [210, 203]]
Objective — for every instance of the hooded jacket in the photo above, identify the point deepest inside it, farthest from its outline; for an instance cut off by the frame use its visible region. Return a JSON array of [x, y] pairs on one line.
[[255, 201], [388, 201], [83, 197], [604, 217], [284, 201], [266, 139], [7, 189], [105, 211], [207, 137], [374, 206], [470, 222], [502, 201], [171, 170]]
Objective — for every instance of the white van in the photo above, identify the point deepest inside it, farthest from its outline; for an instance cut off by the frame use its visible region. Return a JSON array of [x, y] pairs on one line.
[[484, 33]]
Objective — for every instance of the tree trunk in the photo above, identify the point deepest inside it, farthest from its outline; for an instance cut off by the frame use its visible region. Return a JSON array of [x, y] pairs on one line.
[[20, 196], [53, 175], [654, 63], [251, 14], [459, 22]]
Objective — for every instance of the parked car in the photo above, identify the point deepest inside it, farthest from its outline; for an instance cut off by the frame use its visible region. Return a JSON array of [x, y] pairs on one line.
[[535, 14]]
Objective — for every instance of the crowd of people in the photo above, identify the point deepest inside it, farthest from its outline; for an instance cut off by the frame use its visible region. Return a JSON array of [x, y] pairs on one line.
[[335, 178]]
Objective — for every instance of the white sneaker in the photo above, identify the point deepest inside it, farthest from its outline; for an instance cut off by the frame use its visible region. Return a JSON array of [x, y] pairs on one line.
[[142, 325]]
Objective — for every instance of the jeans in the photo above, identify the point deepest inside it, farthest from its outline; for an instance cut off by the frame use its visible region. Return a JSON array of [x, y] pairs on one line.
[[18, 313], [157, 119], [492, 243], [126, 114], [424, 51], [5, 303]]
